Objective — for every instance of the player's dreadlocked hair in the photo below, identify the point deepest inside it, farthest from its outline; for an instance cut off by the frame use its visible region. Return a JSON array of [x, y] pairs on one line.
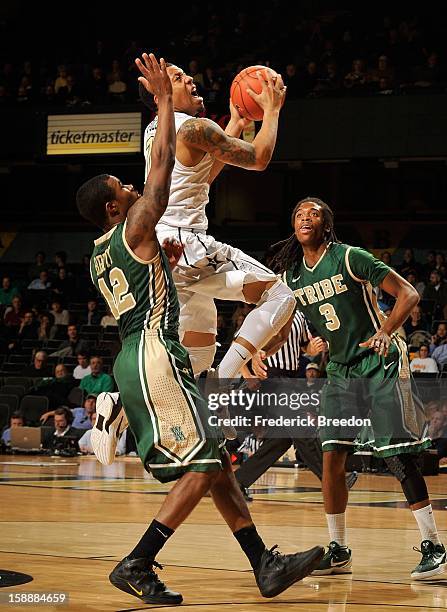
[[285, 253]]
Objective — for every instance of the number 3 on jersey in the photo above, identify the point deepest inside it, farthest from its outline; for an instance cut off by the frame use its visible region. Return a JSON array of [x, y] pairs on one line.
[[332, 321], [120, 300]]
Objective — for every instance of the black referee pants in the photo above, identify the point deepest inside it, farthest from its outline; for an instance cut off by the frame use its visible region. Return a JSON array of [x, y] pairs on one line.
[[272, 449]]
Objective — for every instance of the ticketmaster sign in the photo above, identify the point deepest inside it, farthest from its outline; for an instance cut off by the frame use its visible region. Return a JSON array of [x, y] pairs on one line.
[[91, 134]]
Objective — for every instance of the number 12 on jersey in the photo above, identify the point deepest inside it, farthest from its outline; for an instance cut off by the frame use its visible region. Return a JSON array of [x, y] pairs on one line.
[[120, 300]]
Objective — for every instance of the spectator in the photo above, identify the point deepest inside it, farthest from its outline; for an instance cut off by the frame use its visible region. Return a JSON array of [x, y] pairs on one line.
[[98, 381], [312, 373], [382, 71], [83, 368], [194, 71], [92, 316], [28, 329], [41, 283], [39, 367], [291, 80], [436, 290], [7, 291], [81, 415], [440, 264], [408, 264], [14, 314], [386, 258], [61, 78], [46, 330], [412, 278], [71, 93], [62, 428], [437, 432], [423, 364], [309, 80], [15, 420], [56, 388], [356, 79], [60, 315], [440, 355], [415, 322], [63, 286], [35, 269], [430, 265], [73, 345], [96, 88], [108, 320], [440, 337]]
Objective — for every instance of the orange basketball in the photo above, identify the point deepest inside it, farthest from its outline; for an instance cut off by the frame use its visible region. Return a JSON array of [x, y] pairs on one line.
[[241, 99]]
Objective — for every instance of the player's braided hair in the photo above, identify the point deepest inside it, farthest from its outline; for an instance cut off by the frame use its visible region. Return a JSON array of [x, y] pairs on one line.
[[284, 254]]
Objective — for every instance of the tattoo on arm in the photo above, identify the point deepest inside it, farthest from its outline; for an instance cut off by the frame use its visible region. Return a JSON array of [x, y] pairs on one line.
[[208, 136]]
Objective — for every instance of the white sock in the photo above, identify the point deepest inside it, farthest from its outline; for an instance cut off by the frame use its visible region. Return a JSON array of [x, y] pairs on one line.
[[426, 523], [337, 528], [233, 360]]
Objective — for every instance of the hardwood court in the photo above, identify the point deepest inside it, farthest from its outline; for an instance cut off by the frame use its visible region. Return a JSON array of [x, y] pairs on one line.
[[68, 521]]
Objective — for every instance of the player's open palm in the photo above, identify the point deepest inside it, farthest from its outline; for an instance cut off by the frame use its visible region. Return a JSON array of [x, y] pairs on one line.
[[155, 77]]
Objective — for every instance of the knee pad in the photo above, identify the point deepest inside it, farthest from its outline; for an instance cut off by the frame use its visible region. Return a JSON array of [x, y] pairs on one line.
[[274, 309], [201, 357], [406, 470]]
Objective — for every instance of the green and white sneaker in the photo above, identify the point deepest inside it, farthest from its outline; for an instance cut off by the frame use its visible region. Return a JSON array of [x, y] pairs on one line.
[[433, 562], [337, 560]]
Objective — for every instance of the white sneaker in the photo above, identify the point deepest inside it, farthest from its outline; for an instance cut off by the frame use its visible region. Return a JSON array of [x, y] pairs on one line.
[[110, 423]]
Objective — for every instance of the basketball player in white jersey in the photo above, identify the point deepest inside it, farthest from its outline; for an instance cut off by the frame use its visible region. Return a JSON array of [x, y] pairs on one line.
[[209, 269]]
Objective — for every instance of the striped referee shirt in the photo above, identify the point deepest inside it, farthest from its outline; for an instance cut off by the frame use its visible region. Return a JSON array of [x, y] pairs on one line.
[[288, 356]]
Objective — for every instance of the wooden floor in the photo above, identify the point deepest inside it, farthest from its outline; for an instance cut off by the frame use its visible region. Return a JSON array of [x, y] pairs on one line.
[[68, 521]]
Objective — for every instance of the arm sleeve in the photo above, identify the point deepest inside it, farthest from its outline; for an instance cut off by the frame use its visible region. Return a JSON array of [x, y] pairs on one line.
[[365, 267]]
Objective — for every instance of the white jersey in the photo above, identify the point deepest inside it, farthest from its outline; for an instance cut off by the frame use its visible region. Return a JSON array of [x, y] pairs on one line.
[[189, 185]]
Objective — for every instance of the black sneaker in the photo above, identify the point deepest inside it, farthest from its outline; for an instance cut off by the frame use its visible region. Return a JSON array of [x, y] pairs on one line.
[[276, 572], [137, 577]]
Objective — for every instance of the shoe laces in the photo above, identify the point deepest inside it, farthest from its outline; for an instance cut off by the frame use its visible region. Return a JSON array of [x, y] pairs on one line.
[[273, 552], [426, 550]]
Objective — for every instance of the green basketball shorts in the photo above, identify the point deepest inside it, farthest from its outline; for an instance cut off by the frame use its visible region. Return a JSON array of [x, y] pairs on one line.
[[166, 413], [379, 389]]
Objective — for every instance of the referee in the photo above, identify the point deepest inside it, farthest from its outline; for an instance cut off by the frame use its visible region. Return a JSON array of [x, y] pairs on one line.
[[285, 363]]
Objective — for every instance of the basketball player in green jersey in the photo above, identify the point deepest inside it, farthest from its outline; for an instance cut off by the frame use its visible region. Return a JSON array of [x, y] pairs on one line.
[[333, 285], [164, 408]]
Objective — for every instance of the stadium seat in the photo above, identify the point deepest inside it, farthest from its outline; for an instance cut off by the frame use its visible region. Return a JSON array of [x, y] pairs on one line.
[[76, 397], [18, 380], [4, 416], [11, 400], [18, 390], [32, 407]]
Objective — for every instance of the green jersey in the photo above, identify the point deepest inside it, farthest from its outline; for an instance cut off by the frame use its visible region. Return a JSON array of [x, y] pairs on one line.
[[337, 297], [140, 294]]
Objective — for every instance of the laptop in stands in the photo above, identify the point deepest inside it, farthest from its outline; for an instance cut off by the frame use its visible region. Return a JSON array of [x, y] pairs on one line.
[[27, 438]]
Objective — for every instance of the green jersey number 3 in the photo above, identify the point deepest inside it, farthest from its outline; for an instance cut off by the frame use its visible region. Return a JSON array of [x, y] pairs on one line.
[[120, 300], [332, 321]]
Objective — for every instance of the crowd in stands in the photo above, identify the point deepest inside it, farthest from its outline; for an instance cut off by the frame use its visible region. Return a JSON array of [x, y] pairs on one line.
[[58, 343], [334, 53]]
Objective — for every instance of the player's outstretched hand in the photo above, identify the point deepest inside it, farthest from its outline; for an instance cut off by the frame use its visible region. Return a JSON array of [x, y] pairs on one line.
[[155, 77], [258, 366], [272, 93], [380, 342], [173, 251]]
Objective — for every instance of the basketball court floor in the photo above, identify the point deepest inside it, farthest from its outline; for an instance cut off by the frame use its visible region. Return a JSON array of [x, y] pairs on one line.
[[66, 522]]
